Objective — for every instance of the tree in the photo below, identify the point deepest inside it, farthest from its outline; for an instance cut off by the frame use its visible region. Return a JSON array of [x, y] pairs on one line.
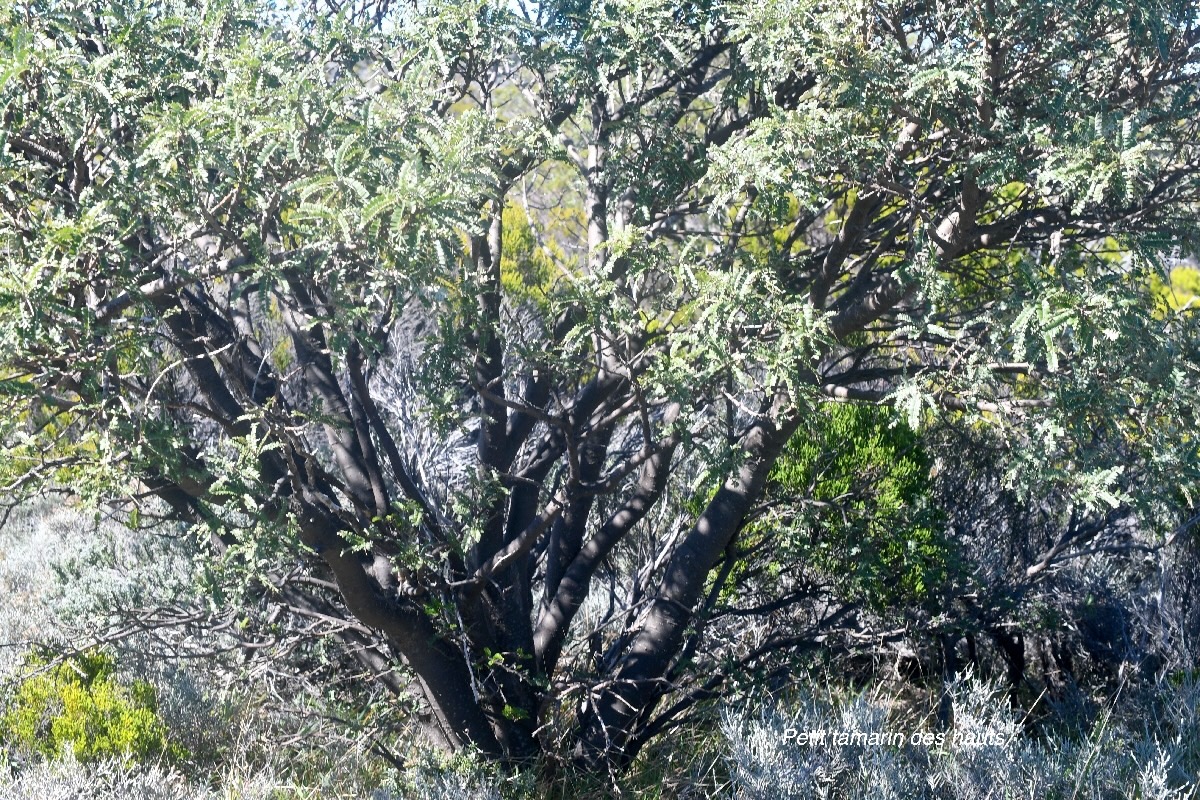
[[483, 326]]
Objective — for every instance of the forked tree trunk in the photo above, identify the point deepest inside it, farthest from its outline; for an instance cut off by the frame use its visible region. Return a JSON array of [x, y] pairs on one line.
[[609, 722]]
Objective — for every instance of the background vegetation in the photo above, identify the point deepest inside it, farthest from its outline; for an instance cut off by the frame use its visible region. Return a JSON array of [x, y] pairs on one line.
[[568, 399]]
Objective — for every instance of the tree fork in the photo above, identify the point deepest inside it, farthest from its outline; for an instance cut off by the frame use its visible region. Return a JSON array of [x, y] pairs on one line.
[[609, 719]]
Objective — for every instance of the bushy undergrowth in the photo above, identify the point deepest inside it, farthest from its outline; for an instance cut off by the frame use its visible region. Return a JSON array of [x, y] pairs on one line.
[[68, 778], [1150, 750], [184, 696], [78, 704], [116, 779], [151, 719], [431, 777]]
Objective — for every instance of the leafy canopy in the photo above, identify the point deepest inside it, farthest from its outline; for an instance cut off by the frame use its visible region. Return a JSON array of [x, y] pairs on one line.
[[425, 318]]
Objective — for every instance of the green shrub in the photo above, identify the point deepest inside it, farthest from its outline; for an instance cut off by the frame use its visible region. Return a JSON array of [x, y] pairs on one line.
[[854, 501], [79, 704]]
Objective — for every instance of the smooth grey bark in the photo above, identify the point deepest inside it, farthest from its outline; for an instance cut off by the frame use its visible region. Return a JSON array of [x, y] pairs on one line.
[[612, 714], [575, 585], [438, 665]]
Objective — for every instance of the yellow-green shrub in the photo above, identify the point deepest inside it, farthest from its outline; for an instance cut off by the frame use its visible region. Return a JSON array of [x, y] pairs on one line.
[[79, 704]]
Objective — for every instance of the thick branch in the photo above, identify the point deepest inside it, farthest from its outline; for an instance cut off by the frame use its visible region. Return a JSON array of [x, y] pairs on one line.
[[573, 589]]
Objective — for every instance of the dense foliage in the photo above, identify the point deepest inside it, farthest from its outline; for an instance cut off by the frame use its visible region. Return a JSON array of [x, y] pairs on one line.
[[79, 706], [855, 501], [498, 341]]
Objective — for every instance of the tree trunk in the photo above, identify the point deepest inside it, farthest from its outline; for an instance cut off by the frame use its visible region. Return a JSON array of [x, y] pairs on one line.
[[611, 718]]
